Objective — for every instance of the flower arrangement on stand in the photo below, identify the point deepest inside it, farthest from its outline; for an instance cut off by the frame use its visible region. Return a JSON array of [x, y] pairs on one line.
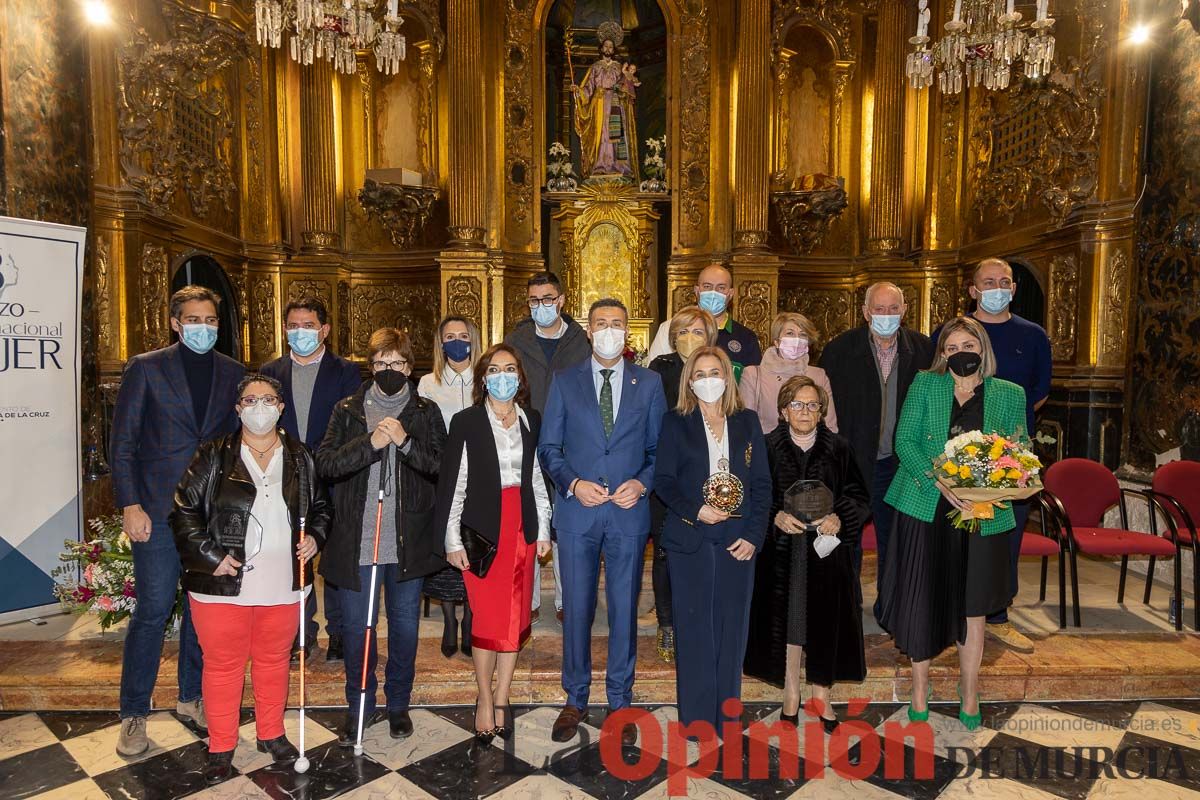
[[562, 174], [655, 166], [96, 575], [987, 470]]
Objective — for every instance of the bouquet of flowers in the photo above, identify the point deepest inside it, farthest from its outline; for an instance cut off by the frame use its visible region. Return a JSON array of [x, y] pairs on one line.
[[97, 575], [655, 167], [562, 174], [987, 470]]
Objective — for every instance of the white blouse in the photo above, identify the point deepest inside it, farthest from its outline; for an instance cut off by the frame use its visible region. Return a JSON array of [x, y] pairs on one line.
[[452, 395], [510, 453], [270, 582], [717, 450]]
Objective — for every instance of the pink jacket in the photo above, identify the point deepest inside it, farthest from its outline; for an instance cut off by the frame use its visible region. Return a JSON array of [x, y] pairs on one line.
[[760, 387]]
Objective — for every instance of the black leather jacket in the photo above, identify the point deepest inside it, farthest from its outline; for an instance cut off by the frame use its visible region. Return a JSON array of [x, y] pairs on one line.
[[212, 509]]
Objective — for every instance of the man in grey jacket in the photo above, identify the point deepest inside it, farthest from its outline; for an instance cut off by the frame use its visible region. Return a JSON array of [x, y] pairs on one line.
[[547, 341]]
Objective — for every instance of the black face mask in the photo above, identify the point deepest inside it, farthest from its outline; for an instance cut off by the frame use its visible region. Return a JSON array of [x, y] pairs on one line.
[[390, 381], [964, 363]]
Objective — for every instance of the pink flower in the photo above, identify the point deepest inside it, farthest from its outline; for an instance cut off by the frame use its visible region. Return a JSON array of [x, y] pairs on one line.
[[127, 591], [105, 603], [88, 572], [1008, 462], [84, 594]]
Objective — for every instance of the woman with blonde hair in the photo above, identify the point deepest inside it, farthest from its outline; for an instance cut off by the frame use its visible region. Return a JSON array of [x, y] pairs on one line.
[[940, 583], [710, 551], [792, 338], [691, 327], [450, 386]]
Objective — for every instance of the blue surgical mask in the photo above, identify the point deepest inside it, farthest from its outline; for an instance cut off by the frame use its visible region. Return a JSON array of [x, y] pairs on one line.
[[502, 386], [544, 316], [457, 350], [714, 302], [198, 337], [993, 301], [885, 325], [304, 341]]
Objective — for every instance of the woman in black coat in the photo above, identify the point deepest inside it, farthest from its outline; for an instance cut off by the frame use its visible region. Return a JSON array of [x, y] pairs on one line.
[[792, 579], [383, 438], [690, 328]]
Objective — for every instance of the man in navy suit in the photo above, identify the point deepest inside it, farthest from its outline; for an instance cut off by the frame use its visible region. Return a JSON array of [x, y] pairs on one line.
[[314, 380], [598, 441], [170, 401]]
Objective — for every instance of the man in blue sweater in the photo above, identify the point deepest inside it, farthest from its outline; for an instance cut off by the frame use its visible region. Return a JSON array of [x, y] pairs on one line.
[[1022, 356]]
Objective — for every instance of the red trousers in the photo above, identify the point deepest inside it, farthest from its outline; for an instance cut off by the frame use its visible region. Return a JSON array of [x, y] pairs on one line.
[[230, 635]]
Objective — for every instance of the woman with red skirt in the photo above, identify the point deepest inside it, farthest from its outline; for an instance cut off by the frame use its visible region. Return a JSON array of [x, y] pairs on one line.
[[490, 464]]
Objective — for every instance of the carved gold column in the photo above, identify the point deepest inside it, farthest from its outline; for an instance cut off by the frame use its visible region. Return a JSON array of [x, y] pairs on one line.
[[755, 271], [319, 160], [469, 284], [752, 159], [468, 177], [885, 220]]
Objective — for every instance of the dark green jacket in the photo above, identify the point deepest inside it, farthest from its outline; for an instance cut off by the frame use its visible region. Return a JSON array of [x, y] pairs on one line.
[[921, 436]]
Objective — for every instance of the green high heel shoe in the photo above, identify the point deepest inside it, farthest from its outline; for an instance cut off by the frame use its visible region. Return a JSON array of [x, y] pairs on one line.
[[921, 716], [969, 721]]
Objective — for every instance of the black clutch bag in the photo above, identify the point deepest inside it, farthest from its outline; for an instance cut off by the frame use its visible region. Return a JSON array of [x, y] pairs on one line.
[[480, 552]]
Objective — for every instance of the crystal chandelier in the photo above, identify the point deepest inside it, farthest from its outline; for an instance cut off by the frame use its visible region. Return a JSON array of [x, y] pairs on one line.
[[981, 43], [335, 30]]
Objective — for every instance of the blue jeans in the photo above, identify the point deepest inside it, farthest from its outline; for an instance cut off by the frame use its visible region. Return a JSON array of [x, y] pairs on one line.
[[156, 575], [884, 516], [1021, 513], [333, 615], [403, 602]]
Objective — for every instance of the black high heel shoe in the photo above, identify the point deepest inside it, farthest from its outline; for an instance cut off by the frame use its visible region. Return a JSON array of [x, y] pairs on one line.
[[483, 737], [449, 636], [792, 718], [505, 732]]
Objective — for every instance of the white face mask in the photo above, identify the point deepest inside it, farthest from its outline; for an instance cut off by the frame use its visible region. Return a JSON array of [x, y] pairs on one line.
[[259, 419], [609, 342], [710, 390]]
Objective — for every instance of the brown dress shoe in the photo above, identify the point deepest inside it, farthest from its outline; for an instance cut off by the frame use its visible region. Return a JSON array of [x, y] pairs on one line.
[[567, 724]]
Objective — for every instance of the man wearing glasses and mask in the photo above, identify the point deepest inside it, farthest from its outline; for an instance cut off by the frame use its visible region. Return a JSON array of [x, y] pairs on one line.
[[547, 341], [384, 437]]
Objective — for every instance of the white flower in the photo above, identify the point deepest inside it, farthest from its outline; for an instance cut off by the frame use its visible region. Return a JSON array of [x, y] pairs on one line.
[[557, 150]]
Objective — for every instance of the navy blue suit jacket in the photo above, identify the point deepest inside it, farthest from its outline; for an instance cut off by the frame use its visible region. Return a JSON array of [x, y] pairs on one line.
[[573, 445], [337, 379], [683, 467], [155, 432]]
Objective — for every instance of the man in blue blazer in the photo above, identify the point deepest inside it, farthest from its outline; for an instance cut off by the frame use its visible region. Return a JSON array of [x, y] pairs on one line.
[[170, 401], [598, 441], [314, 380]]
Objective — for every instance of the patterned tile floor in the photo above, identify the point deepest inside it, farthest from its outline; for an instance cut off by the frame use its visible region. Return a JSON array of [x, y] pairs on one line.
[[1143, 750]]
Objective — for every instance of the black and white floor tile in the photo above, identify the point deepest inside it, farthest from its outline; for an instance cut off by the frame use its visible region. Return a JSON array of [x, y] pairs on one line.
[[1139, 750]]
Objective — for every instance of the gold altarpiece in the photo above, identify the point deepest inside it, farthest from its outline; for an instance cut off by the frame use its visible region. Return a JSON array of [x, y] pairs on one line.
[[606, 233]]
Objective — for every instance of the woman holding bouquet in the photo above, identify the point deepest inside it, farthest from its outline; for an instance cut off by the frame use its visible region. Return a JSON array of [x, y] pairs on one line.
[[944, 581], [237, 528]]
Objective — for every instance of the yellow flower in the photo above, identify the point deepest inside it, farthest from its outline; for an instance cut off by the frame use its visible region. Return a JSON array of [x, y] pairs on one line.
[[950, 468], [1015, 474], [971, 450], [964, 472], [996, 451], [996, 476]]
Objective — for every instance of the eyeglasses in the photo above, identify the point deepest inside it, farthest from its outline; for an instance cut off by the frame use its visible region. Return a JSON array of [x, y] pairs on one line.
[[379, 366], [797, 405], [544, 301], [992, 283], [266, 399]]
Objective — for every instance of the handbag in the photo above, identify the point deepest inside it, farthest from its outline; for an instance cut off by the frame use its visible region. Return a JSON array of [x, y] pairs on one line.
[[480, 552]]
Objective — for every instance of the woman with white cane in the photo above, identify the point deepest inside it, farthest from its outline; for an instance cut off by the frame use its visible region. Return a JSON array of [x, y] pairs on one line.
[[381, 455], [249, 517]]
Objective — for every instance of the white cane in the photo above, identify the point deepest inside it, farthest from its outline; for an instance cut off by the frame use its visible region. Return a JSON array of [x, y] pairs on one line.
[[384, 466], [301, 765]]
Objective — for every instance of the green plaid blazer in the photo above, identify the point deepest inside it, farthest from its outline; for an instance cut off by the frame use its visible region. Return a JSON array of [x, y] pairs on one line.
[[921, 436]]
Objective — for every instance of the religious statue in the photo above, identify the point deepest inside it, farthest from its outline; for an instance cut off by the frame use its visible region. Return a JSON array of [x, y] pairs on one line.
[[604, 111]]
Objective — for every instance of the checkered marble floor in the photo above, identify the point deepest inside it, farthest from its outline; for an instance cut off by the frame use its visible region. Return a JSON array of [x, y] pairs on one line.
[[1143, 750]]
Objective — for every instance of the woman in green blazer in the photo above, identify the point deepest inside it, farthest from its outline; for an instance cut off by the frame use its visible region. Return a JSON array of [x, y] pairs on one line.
[[939, 583]]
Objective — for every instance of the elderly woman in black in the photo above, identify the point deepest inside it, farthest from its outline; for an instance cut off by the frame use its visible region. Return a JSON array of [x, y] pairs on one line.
[[792, 579]]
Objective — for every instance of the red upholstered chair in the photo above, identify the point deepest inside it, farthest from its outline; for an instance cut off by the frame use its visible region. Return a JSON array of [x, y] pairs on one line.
[[1079, 492], [869, 542], [1177, 487], [1037, 544]]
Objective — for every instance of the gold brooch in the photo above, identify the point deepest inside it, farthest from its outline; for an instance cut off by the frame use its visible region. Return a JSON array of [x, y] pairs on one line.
[[749, 452]]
